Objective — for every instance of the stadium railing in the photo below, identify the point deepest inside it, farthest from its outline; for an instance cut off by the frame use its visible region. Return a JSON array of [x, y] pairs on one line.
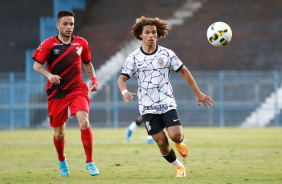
[[236, 94]]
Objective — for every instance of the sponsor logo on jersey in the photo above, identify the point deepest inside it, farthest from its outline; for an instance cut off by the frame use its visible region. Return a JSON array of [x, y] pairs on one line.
[[160, 107], [58, 44], [79, 49], [56, 51], [148, 126]]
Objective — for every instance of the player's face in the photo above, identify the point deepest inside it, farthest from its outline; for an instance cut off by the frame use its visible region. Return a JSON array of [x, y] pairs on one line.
[[149, 35], [65, 26]]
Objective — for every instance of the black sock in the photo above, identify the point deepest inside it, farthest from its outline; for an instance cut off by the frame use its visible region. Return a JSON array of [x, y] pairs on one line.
[[171, 157]]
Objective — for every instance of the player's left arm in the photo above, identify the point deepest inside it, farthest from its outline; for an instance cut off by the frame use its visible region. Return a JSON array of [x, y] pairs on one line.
[[200, 97], [89, 68]]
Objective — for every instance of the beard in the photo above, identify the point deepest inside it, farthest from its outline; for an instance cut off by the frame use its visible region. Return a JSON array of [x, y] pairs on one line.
[[66, 35]]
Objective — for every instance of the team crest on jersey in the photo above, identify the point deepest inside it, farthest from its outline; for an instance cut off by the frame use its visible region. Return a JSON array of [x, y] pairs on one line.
[[160, 61], [56, 51], [79, 49], [148, 126]]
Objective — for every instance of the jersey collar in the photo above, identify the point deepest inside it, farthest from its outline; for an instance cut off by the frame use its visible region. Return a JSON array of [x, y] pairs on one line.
[[63, 42], [147, 53]]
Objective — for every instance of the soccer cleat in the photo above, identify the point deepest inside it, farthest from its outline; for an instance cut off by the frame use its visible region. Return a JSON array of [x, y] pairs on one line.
[[128, 134], [93, 170], [64, 169], [180, 172], [182, 150]]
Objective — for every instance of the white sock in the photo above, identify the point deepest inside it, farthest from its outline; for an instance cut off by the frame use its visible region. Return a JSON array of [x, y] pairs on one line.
[[132, 126], [176, 163], [149, 137]]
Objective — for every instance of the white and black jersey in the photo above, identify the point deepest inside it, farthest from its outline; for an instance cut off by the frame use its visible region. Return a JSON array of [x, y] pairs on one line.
[[155, 93]]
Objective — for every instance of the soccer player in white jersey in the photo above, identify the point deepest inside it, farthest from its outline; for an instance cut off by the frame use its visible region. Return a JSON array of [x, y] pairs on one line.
[[151, 65]]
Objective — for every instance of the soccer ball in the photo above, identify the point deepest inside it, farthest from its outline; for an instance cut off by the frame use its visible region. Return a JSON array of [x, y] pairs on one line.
[[219, 34]]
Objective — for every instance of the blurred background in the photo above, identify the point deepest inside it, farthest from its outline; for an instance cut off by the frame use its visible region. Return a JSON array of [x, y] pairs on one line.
[[243, 78]]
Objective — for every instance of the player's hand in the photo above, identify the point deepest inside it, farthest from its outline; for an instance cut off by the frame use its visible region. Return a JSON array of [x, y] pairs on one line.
[[128, 96], [54, 79], [93, 84], [93, 87], [202, 98]]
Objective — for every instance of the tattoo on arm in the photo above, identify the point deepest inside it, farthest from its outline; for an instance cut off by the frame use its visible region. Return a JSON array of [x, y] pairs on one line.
[[90, 69]]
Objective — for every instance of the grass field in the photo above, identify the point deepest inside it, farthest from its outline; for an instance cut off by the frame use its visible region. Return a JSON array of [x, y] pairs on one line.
[[216, 155]]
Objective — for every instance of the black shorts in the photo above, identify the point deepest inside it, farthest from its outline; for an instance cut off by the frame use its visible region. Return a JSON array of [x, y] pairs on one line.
[[155, 123]]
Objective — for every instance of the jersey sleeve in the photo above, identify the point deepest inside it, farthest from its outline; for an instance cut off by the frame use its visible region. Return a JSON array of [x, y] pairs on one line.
[[42, 52], [86, 53], [175, 62], [128, 68]]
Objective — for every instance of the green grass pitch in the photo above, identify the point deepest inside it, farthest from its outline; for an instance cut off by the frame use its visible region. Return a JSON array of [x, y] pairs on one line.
[[216, 155]]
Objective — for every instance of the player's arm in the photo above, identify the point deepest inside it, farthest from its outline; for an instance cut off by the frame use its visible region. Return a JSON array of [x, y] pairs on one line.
[[200, 97], [89, 68], [39, 68], [127, 95]]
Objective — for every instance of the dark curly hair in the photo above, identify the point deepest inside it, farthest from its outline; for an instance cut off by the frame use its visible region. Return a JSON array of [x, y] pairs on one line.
[[161, 25]]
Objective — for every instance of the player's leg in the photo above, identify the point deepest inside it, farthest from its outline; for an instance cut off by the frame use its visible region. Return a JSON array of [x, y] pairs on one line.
[[155, 125], [168, 153], [58, 110], [80, 108], [132, 127], [86, 134], [59, 142], [174, 130], [176, 135], [162, 142], [87, 141], [171, 158]]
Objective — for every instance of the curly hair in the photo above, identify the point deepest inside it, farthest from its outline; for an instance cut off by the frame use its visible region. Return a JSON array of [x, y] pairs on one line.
[[161, 25]]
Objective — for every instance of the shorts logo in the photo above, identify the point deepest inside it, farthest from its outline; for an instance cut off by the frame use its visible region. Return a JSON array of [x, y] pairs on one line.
[[51, 118], [147, 125]]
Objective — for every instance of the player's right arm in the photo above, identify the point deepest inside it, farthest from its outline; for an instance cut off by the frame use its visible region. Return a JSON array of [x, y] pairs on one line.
[[127, 95], [40, 56], [127, 71], [39, 68]]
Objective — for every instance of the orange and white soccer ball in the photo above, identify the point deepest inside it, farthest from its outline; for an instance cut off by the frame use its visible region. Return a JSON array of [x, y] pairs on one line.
[[219, 34]]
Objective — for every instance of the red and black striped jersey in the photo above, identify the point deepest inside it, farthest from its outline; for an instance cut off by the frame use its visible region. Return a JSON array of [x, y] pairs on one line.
[[63, 60]]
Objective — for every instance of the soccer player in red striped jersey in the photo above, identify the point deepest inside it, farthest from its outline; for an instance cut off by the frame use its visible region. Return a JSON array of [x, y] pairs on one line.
[[65, 88]]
